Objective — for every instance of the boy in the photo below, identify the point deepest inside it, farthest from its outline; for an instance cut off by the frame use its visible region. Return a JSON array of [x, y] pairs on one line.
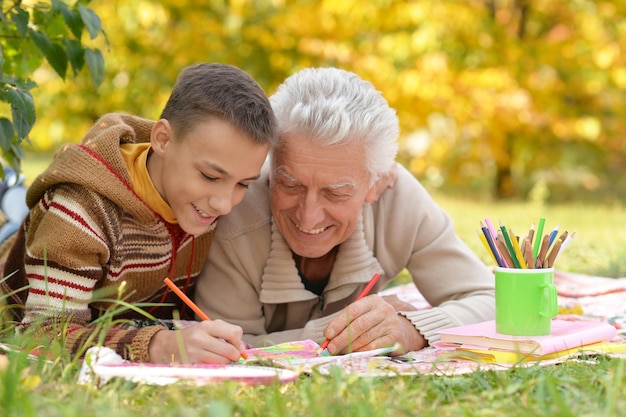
[[136, 202]]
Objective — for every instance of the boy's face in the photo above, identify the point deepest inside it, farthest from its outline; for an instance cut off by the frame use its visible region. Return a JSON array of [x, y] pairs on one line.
[[317, 193], [205, 173]]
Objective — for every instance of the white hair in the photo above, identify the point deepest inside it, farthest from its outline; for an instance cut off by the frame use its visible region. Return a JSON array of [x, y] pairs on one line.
[[334, 106]]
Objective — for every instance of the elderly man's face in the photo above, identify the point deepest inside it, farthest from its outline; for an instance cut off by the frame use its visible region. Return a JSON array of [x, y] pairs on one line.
[[317, 193]]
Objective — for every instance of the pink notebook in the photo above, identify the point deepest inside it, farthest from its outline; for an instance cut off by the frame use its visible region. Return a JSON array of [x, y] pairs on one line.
[[564, 335]]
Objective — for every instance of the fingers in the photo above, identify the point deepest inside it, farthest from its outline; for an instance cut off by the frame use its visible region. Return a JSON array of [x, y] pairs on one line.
[[223, 331], [369, 323], [215, 342], [206, 342]]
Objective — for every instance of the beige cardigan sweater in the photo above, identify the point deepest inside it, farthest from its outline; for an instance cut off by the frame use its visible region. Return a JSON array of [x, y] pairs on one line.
[[251, 280]]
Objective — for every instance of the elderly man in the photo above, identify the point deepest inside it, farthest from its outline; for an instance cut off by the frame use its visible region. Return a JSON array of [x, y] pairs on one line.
[[289, 262]]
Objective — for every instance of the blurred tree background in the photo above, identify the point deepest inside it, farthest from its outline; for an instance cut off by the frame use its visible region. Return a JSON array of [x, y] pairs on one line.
[[498, 99]]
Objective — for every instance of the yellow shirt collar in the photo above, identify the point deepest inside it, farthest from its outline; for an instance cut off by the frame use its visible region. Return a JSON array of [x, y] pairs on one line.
[[136, 156]]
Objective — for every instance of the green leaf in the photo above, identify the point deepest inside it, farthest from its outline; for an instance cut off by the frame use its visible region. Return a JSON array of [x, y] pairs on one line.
[[23, 83], [22, 110], [6, 134], [95, 62], [58, 59], [20, 17], [72, 18], [41, 40], [18, 151], [91, 20], [55, 53], [76, 54]]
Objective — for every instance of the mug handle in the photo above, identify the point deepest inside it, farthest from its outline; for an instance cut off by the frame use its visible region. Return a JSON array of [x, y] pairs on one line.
[[551, 296]]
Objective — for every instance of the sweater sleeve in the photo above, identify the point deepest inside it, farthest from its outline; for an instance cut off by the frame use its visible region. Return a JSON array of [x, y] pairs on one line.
[[413, 232], [66, 256]]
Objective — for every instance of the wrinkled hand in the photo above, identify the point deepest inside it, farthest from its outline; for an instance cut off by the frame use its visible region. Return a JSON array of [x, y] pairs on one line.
[[371, 323], [386, 180], [205, 342]]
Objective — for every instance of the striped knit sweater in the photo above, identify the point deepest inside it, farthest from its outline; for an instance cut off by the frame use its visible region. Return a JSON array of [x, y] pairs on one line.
[[87, 233]]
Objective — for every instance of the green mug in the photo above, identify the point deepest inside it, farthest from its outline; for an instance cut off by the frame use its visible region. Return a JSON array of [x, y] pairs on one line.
[[526, 301]]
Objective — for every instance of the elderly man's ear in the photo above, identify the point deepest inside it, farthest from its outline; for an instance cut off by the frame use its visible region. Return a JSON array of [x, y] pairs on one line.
[[385, 180]]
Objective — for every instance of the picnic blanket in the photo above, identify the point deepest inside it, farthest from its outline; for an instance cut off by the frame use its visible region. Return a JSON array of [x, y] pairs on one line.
[[580, 297]]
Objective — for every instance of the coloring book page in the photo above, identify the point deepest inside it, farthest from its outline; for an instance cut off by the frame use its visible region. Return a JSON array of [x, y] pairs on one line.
[[305, 353]]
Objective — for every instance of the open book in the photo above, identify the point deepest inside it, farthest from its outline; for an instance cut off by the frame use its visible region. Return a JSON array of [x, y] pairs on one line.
[[305, 352], [278, 363], [563, 336]]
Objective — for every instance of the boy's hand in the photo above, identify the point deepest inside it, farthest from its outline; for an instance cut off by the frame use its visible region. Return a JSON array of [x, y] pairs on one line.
[[371, 323], [206, 342]]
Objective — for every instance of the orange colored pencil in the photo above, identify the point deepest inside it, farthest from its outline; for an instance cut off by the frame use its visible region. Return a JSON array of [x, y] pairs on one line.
[[365, 291], [191, 304]]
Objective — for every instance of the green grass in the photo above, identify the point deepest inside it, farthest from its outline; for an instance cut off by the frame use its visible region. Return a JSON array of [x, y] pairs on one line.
[[577, 388], [590, 388]]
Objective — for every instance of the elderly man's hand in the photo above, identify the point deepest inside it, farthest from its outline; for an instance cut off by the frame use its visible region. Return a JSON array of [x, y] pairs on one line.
[[372, 323]]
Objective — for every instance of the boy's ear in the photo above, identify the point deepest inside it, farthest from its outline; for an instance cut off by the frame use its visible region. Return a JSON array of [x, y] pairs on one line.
[[160, 136]]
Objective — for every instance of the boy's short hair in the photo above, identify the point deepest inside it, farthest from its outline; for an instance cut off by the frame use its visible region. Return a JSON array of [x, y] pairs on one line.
[[223, 91]]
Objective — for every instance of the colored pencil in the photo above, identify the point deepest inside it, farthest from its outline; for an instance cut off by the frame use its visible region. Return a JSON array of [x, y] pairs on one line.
[[483, 238], [516, 248], [553, 234], [363, 293], [541, 257], [492, 229], [565, 243], [539, 233], [528, 254], [554, 251], [494, 237], [509, 245], [191, 304], [531, 234], [501, 244], [491, 246]]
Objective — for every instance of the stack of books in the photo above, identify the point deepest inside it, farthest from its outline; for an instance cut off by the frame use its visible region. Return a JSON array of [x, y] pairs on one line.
[[481, 342]]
